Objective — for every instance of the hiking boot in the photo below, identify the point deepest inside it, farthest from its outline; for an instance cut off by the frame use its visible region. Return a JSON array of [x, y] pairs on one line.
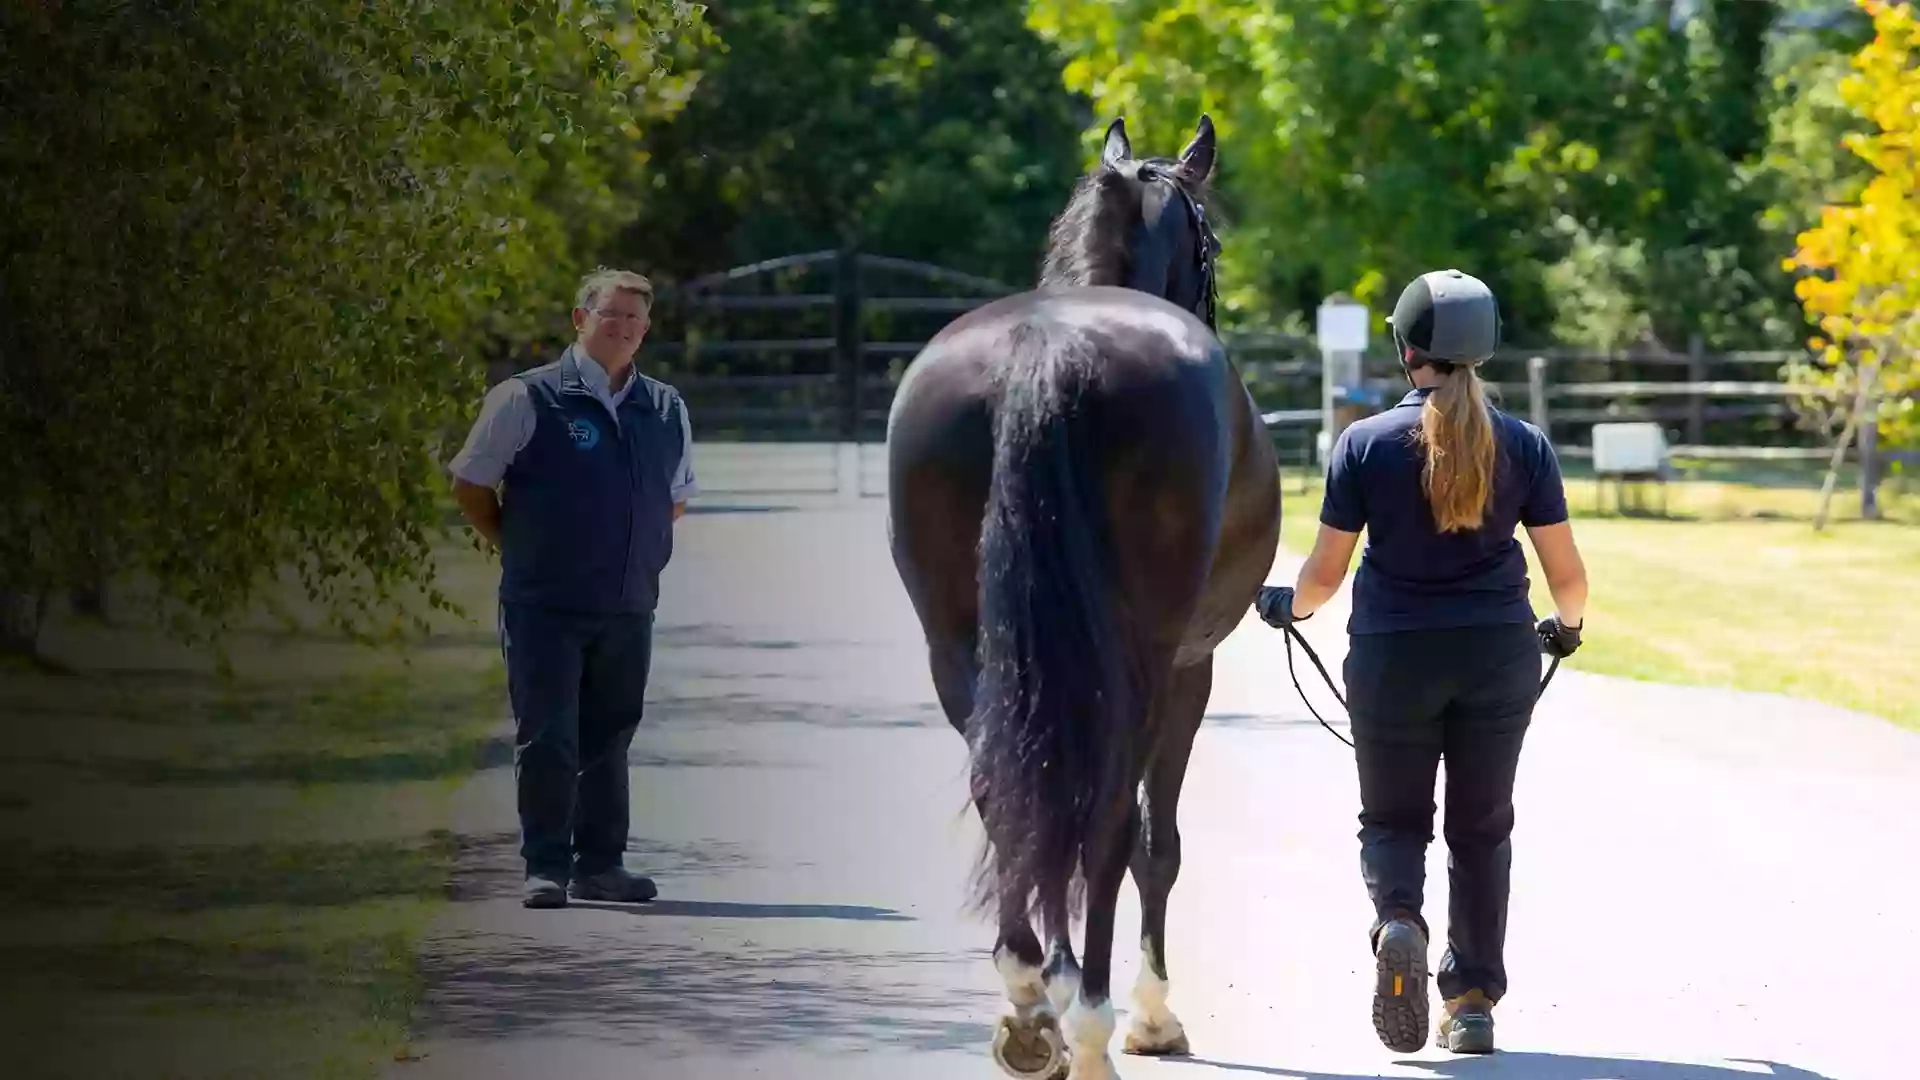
[[1467, 1027], [1400, 987], [543, 892], [616, 885]]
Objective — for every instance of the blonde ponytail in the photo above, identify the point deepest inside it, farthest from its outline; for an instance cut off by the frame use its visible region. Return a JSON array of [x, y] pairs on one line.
[[1457, 433]]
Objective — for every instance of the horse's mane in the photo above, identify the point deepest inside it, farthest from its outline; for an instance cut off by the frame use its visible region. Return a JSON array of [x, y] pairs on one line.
[[1090, 243]]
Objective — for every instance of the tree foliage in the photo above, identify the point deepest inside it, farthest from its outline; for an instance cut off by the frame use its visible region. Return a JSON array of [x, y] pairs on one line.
[[922, 130], [1599, 164], [1863, 257], [1805, 160], [251, 250]]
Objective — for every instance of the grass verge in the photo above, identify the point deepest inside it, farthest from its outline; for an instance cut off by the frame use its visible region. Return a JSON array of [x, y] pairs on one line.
[[1735, 589], [212, 877]]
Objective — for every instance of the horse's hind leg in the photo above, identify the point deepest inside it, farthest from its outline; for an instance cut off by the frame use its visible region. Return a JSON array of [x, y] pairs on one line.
[[1063, 969], [1089, 1023], [1027, 1044], [1154, 1030]]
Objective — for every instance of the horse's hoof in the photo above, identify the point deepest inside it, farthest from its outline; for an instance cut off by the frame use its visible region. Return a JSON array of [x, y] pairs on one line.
[[1030, 1048], [1153, 1042]]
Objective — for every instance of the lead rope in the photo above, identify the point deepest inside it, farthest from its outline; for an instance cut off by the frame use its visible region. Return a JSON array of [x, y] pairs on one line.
[[1292, 635]]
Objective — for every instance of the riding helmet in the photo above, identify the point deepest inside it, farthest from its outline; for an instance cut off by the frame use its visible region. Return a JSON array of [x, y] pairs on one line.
[[1446, 316]]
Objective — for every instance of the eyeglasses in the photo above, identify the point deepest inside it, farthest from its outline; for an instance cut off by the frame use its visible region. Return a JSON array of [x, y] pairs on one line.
[[617, 316]]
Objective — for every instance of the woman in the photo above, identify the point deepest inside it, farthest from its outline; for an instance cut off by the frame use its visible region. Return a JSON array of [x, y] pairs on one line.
[[1444, 659]]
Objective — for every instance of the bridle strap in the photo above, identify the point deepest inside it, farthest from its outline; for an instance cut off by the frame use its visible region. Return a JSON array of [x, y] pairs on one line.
[[1204, 241], [1203, 234]]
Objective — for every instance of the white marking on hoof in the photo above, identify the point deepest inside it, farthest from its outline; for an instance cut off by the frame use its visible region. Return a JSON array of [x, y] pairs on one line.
[[1089, 1029], [1063, 990], [1154, 1030], [1026, 988]]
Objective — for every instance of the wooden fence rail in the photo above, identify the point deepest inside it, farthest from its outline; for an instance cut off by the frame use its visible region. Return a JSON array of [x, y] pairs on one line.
[[1731, 405], [810, 347]]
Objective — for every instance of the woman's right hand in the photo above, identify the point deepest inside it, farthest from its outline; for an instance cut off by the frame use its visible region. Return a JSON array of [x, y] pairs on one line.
[[1557, 638]]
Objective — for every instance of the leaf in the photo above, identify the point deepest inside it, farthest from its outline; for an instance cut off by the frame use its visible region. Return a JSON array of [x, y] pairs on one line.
[[270, 232]]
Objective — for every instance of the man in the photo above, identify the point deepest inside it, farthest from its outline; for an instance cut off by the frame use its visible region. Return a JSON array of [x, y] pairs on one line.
[[596, 461]]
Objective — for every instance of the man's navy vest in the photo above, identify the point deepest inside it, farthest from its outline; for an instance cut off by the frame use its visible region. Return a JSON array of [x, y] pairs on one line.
[[586, 519]]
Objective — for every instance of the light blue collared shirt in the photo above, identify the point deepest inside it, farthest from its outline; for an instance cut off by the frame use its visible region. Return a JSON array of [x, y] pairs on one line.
[[507, 419]]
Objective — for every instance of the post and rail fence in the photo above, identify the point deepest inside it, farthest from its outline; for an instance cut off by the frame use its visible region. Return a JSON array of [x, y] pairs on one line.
[[805, 351]]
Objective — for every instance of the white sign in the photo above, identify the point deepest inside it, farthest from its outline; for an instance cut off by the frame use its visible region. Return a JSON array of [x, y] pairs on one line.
[[1628, 448], [1341, 327]]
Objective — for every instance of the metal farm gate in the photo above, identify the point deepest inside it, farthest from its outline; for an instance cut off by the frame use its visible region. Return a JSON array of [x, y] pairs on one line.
[[803, 351]]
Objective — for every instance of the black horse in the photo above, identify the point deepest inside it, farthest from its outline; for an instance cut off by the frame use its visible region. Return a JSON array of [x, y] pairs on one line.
[[1083, 502]]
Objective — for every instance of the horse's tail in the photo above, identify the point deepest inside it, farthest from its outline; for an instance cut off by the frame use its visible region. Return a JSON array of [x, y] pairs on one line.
[[1053, 724]]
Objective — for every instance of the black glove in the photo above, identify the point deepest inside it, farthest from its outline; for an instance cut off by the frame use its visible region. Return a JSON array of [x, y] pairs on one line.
[[1275, 605], [1557, 638]]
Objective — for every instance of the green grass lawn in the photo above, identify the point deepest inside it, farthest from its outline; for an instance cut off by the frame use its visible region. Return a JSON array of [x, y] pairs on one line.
[[1735, 589], [212, 877]]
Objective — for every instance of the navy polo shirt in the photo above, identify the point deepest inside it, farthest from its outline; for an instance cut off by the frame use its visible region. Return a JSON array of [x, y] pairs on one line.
[[1411, 576]]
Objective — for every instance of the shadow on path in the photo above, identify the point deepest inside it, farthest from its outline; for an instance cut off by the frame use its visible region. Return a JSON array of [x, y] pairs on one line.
[[671, 998], [677, 706], [1528, 1065], [719, 909], [487, 866], [706, 508]]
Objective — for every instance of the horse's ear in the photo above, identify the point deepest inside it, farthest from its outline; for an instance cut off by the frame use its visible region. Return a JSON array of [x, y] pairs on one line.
[[1118, 148], [1196, 161]]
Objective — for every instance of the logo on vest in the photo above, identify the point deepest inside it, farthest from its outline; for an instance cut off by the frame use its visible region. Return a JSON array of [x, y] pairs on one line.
[[585, 436]]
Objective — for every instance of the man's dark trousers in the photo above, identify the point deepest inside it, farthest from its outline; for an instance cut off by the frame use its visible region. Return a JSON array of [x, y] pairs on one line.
[[1415, 696], [578, 683]]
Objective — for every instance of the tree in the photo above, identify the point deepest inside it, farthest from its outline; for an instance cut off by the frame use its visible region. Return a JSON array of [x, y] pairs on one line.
[[933, 131], [1362, 141], [1807, 123], [1863, 258], [1560, 150], [251, 251]]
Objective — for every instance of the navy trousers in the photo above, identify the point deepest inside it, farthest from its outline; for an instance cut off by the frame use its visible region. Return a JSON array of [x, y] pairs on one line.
[[1415, 697], [578, 685]]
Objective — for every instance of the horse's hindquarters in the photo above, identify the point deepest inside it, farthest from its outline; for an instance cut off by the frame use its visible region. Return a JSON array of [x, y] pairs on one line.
[[1187, 478], [940, 461]]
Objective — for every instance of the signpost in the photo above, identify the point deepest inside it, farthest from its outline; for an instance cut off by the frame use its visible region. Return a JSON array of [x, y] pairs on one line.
[[1340, 329]]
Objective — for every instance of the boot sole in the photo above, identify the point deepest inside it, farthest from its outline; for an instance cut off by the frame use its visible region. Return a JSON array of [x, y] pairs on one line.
[[1400, 991]]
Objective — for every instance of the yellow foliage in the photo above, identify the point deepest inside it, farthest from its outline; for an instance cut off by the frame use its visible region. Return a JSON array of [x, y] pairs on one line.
[[1864, 256]]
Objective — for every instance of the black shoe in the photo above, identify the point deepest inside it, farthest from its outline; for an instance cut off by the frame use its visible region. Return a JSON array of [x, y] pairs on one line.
[[1467, 1027], [543, 892], [1400, 992], [615, 885]]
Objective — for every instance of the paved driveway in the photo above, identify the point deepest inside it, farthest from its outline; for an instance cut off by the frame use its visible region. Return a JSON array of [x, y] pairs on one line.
[[1739, 872]]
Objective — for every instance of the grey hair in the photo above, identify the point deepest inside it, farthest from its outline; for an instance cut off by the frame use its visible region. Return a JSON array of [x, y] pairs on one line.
[[606, 279]]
